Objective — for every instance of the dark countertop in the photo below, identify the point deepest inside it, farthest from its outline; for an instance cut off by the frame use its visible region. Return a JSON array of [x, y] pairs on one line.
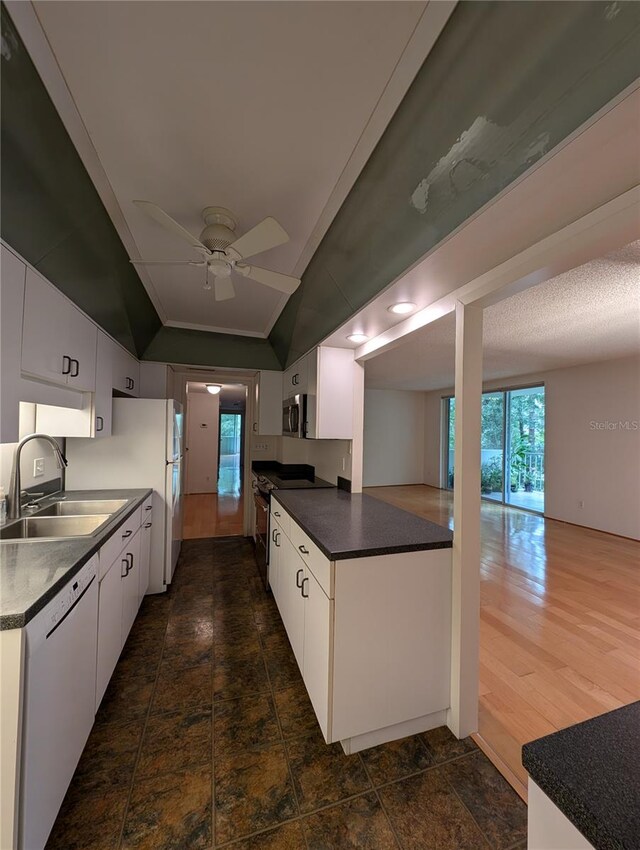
[[591, 771], [351, 525], [33, 571], [281, 474]]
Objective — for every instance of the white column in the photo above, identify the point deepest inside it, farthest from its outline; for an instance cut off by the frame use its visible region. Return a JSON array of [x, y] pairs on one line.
[[357, 444], [465, 621]]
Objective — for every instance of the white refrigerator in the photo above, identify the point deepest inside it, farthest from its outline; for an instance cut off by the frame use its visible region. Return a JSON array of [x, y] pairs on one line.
[[144, 450]]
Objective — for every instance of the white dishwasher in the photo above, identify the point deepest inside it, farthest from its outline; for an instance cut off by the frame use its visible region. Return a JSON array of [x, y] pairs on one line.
[[59, 706]]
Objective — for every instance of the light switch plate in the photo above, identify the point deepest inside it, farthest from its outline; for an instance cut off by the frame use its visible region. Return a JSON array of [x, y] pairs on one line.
[[38, 467]]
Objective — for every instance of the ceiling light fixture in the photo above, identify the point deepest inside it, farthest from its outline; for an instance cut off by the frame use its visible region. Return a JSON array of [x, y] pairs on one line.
[[214, 389], [357, 337], [402, 307]]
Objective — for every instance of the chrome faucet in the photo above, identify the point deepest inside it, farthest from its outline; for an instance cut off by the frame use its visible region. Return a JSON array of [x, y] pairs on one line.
[[14, 507]]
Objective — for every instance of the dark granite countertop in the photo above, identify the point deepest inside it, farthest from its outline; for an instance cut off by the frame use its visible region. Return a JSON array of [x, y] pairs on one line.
[[33, 571], [351, 525], [290, 476], [591, 771]]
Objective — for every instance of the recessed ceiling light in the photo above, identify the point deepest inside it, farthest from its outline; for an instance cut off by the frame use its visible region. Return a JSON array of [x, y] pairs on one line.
[[402, 307], [214, 389], [357, 337]]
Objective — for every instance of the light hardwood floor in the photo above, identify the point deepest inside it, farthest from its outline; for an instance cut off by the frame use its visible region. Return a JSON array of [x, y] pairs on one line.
[[559, 622]]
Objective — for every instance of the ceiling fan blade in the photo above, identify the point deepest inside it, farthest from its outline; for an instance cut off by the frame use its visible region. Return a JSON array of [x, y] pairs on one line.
[[161, 217], [268, 234], [282, 282], [166, 262], [223, 288]]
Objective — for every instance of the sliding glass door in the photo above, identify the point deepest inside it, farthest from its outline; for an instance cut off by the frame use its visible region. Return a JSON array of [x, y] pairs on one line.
[[525, 448], [512, 446], [492, 447]]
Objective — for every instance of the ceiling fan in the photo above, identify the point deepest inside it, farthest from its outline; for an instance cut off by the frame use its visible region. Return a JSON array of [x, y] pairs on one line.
[[222, 251]]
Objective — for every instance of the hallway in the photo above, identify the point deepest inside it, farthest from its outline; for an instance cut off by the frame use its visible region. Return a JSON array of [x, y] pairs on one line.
[[218, 514], [206, 738], [559, 620]]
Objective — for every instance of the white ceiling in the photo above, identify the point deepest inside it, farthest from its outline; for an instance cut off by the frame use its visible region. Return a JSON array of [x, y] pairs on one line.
[[588, 314], [254, 106]]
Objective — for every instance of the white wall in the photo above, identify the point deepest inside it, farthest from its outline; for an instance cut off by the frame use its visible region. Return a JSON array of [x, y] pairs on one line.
[[394, 423], [599, 466], [202, 442], [34, 449]]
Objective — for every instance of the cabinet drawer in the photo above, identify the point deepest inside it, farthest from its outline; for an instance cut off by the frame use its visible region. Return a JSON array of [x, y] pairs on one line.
[[281, 517], [319, 565], [118, 540]]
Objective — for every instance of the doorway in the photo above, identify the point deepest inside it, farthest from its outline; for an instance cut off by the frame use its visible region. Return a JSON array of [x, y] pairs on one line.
[[512, 446], [216, 437], [230, 454]]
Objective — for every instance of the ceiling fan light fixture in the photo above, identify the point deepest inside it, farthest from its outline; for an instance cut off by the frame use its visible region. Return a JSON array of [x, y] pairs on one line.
[[402, 308], [214, 389], [357, 337]]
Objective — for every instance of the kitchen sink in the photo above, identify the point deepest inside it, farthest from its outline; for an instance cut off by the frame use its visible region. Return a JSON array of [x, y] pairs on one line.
[[83, 507], [51, 527]]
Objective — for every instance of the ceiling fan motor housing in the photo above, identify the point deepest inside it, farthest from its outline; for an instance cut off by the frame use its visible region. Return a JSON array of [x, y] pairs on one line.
[[219, 230]]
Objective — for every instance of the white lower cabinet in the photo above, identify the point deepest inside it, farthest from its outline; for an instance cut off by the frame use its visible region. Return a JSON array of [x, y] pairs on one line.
[[123, 582], [130, 584], [371, 635], [145, 555], [306, 613], [318, 634], [109, 628]]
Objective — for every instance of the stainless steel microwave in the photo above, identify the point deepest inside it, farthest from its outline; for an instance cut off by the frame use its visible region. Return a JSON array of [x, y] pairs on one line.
[[294, 416]]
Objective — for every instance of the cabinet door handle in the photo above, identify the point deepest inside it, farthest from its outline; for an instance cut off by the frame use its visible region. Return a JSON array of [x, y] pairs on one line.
[[306, 595], [277, 539], [148, 524], [295, 378], [298, 574], [99, 423], [66, 367], [126, 568], [130, 555], [127, 533], [133, 383], [304, 550], [273, 535], [76, 369], [255, 426], [276, 513]]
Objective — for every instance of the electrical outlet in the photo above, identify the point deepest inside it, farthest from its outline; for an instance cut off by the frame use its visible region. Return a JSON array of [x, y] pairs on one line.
[[38, 467]]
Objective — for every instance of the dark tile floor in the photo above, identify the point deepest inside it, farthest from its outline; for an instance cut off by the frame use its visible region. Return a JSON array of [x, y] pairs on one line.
[[206, 736]]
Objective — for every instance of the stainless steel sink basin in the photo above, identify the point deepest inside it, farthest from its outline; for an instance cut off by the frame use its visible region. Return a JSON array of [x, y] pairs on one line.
[[52, 527], [83, 507]]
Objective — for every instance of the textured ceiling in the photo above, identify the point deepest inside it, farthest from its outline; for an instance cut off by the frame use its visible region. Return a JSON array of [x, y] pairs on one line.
[[253, 106], [588, 314]]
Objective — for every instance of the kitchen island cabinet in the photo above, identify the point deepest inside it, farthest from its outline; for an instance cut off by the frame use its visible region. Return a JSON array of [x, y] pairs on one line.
[[367, 612]]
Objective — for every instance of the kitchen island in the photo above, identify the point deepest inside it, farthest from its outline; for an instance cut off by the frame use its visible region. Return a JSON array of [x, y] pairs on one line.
[[584, 784], [364, 592]]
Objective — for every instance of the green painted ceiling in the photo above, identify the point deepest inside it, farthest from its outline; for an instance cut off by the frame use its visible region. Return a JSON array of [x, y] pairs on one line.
[[504, 84]]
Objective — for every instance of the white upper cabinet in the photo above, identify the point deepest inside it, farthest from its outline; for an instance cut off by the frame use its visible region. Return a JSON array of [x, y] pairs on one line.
[[102, 402], [11, 299], [326, 376], [296, 377], [268, 410], [126, 373], [58, 341]]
